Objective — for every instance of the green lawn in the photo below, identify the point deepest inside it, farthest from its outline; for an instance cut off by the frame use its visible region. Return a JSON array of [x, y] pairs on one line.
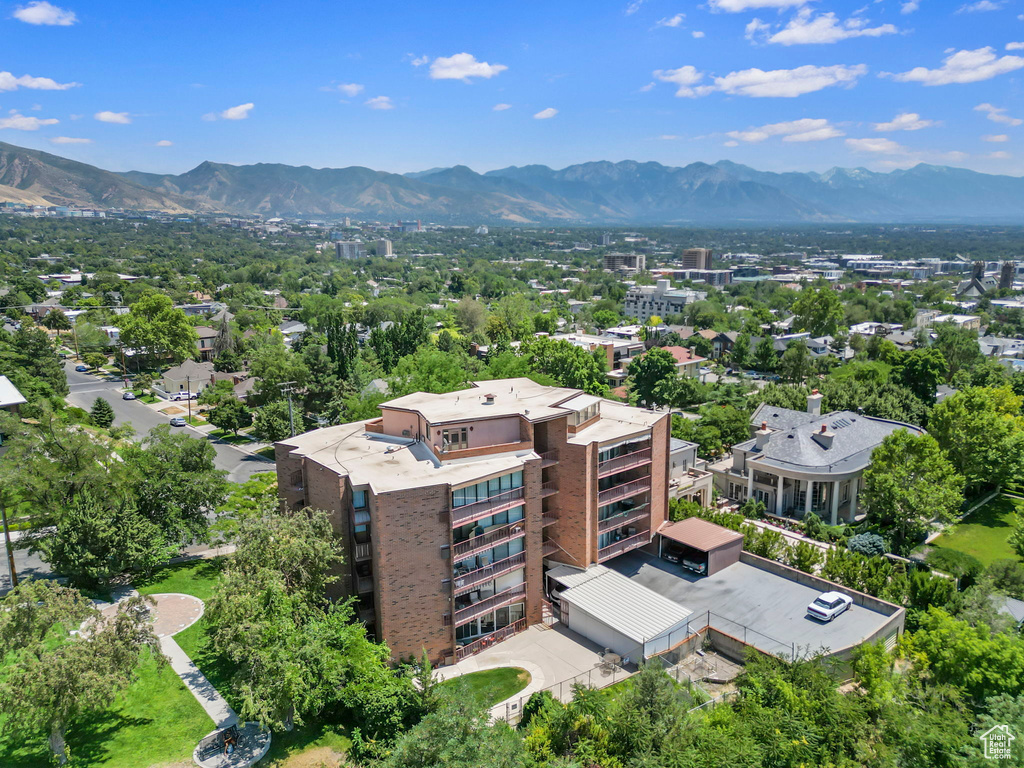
[[491, 686], [195, 577], [227, 437], [267, 453], [155, 722], [984, 532]]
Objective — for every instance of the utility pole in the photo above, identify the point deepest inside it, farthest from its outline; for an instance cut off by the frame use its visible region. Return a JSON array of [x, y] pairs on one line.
[[10, 552], [188, 389], [74, 332], [287, 388]]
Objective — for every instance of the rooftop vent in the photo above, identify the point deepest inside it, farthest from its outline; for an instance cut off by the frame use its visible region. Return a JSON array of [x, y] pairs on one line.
[[489, 399]]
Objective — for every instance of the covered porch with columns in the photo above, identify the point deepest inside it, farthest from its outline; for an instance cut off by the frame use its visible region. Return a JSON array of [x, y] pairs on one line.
[[832, 498]]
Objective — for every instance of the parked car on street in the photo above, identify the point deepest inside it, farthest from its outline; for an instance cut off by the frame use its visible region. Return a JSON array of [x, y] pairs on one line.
[[184, 396], [829, 605], [128, 396], [82, 368], [178, 421]]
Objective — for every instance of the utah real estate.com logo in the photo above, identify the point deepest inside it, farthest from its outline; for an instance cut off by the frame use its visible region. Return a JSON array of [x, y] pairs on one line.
[[997, 741]]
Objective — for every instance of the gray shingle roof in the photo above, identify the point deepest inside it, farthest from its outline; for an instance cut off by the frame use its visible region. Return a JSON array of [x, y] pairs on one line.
[[777, 418]]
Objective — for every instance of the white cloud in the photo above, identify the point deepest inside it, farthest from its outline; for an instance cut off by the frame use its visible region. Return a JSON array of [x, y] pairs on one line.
[[501, 107], [1015, 46], [876, 146], [69, 140], [998, 114], [909, 7], [697, 34], [1001, 155], [380, 102], [905, 121], [9, 82], [164, 143], [20, 122], [788, 83], [241, 112], [419, 61], [350, 89], [963, 67], [672, 21], [806, 129], [979, 7], [738, 6], [668, 137], [685, 78], [808, 29], [546, 114], [463, 66], [633, 7], [42, 12], [649, 87], [756, 29], [121, 118], [731, 143], [996, 138]]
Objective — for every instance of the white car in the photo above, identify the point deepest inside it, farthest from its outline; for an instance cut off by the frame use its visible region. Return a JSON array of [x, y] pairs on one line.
[[829, 605], [184, 396]]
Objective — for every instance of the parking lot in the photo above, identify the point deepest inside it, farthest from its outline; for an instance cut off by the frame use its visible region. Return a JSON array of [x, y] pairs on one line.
[[761, 608]]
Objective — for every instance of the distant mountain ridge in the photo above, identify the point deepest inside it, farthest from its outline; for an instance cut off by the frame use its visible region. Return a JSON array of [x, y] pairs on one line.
[[601, 192]]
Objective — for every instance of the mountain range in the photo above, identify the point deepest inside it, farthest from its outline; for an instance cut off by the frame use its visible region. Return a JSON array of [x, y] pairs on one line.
[[601, 192]]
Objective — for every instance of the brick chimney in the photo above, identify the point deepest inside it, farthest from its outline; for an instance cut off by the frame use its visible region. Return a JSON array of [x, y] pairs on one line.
[[824, 437], [761, 436], [814, 403]]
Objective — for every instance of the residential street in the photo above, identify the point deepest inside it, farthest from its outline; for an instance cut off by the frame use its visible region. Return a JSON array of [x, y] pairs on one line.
[[86, 387]]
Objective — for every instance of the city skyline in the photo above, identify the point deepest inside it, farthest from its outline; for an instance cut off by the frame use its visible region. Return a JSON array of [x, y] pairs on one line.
[[777, 84]]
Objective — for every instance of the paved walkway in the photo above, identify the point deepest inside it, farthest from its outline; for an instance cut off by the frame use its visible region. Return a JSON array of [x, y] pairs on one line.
[[551, 655]]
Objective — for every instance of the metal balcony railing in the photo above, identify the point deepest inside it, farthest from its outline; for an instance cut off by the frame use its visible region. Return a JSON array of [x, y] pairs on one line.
[[547, 489], [487, 507], [364, 584], [363, 551], [624, 545], [488, 640], [490, 538], [489, 604], [625, 517], [548, 458], [467, 581], [624, 462], [623, 491]]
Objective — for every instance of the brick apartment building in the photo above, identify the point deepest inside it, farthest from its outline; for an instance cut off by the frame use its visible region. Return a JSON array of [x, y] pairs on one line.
[[451, 507]]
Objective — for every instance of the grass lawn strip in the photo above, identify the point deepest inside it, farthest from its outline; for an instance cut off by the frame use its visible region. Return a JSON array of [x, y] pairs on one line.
[[491, 686], [985, 532]]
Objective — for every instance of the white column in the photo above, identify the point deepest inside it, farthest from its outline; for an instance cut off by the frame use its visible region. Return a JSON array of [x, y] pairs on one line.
[[778, 498], [808, 496], [750, 481], [835, 502], [854, 486]]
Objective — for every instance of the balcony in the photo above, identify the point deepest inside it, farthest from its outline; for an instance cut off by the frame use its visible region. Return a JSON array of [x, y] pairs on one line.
[[548, 489], [624, 545], [624, 462], [361, 517], [548, 518], [623, 518], [363, 552], [484, 642], [487, 605], [364, 584], [467, 581], [493, 536], [548, 459], [623, 491], [367, 615], [549, 548], [480, 509]]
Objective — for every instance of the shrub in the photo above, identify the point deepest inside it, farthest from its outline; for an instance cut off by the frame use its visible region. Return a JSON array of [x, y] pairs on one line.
[[870, 544], [102, 413], [77, 415], [1007, 576], [959, 564], [813, 527], [805, 557]]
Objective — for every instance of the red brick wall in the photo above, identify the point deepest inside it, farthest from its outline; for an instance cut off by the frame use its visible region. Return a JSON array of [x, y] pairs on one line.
[[576, 529], [533, 545]]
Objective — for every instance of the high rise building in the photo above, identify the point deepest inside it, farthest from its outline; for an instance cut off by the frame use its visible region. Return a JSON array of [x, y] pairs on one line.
[[452, 507], [696, 258], [383, 247], [625, 262], [606, 239], [349, 249]]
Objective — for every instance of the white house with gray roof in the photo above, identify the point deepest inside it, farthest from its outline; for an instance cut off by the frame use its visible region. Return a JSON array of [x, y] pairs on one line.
[[804, 461]]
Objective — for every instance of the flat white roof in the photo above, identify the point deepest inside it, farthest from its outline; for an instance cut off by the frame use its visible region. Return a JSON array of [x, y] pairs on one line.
[[9, 394], [639, 613]]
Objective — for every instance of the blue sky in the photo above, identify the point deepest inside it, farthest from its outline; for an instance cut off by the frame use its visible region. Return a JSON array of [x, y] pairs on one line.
[[401, 86]]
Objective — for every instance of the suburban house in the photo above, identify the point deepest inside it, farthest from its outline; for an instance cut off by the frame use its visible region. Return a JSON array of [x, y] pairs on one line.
[[190, 376], [205, 344], [10, 398], [619, 352], [800, 462], [450, 507], [688, 476], [687, 362]]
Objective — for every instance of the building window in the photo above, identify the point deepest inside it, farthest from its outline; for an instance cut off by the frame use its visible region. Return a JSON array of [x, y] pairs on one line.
[[486, 489], [584, 415], [362, 534], [455, 439], [359, 499]]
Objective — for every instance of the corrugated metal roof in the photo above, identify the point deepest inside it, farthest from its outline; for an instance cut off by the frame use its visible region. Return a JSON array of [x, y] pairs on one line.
[[699, 534], [632, 609]]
